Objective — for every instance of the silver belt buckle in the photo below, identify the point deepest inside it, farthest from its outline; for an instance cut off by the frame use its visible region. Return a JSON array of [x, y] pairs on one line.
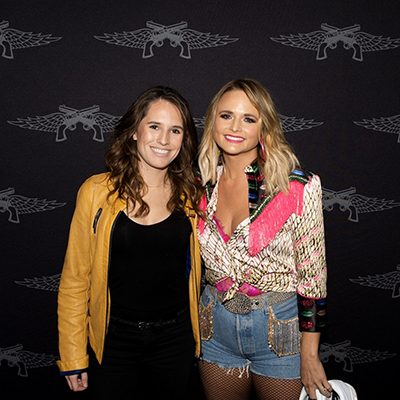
[[240, 304]]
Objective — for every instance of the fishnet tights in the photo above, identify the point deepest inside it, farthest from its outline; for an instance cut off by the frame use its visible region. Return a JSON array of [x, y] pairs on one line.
[[220, 385]]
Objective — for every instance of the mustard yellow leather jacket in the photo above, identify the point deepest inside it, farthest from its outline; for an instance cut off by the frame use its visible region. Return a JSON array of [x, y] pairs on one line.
[[84, 298]]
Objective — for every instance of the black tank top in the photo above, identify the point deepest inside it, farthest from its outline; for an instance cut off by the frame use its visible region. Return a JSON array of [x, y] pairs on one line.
[[147, 276]]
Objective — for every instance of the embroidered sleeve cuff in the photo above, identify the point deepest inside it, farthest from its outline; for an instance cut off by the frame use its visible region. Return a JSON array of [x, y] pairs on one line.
[[312, 314]]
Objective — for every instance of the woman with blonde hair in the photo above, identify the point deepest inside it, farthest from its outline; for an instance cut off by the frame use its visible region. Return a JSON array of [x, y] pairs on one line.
[[262, 243]]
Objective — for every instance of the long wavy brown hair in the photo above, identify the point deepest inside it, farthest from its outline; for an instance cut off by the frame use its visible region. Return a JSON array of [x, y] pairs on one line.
[[122, 158]]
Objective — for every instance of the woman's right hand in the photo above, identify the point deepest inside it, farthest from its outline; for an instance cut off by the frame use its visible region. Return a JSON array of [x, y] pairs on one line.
[[77, 382]]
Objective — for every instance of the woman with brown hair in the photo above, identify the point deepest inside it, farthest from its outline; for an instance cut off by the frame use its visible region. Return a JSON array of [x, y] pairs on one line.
[[262, 243], [131, 276]]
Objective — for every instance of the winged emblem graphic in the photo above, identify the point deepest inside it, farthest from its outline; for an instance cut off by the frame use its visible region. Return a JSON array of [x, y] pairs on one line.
[[349, 355], [11, 39], [355, 204], [23, 360], [15, 204], [293, 124], [49, 283], [289, 124], [329, 36], [390, 281], [199, 122], [67, 119], [154, 35], [384, 124]]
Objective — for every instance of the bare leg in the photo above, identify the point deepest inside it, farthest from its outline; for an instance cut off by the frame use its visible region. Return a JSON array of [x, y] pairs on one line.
[[219, 384]]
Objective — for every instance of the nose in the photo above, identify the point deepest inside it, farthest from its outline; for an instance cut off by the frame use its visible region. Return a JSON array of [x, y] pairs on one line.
[[235, 126], [163, 138]]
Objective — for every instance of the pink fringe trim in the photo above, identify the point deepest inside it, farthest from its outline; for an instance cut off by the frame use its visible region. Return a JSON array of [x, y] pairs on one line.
[[203, 207], [274, 215]]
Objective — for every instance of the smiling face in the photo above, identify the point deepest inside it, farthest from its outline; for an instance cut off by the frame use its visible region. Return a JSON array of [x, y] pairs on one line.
[[159, 136], [237, 125]]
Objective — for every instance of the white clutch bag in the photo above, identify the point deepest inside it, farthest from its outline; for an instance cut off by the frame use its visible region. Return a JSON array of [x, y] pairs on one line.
[[341, 391]]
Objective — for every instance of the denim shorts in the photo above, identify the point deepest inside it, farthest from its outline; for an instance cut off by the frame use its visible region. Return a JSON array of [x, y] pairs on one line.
[[241, 341]]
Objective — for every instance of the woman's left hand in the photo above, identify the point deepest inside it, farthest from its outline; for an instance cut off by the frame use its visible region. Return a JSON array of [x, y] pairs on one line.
[[312, 372], [313, 377]]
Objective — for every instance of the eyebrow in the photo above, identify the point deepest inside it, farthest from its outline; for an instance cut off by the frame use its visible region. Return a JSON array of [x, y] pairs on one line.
[[231, 112], [159, 123]]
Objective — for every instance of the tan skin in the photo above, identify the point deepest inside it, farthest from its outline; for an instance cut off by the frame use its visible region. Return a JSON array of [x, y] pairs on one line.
[[236, 131], [159, 140]]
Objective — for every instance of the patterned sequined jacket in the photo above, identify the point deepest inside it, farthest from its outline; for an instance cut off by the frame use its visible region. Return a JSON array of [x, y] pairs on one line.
[[84, 298], [280, 247]]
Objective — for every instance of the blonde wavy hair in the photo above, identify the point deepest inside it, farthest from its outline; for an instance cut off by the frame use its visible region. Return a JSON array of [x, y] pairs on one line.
[[280, 159]]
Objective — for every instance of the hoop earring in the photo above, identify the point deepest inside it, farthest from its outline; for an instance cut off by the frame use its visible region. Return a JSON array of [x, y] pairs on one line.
[[262, 148]]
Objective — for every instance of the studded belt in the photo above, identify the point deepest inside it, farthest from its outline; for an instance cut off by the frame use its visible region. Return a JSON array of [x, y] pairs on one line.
[[242, 304]]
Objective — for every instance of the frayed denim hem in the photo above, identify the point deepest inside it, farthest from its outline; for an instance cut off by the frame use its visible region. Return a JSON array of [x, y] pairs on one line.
[[230, 370], [242, 370]]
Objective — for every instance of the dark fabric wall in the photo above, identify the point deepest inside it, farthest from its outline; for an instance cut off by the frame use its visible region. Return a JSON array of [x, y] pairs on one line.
[[333, 69]]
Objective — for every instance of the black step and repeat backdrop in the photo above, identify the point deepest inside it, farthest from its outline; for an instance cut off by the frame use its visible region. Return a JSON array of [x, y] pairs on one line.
[[70, 69]]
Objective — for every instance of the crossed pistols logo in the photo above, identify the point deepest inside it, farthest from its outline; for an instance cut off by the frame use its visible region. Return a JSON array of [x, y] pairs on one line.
[[390, 280], [289, 124], [15, 356], [15, 204], [349, 200], [349, 355], [11, 39], [67, 120], [177, 34], [329, 37], [384, 124]]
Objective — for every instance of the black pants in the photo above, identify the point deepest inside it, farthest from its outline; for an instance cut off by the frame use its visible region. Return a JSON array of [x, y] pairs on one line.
[[150, 363]]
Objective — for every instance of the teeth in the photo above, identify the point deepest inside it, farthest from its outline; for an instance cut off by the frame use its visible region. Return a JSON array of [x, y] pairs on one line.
[[160, 151], [236, 139]]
